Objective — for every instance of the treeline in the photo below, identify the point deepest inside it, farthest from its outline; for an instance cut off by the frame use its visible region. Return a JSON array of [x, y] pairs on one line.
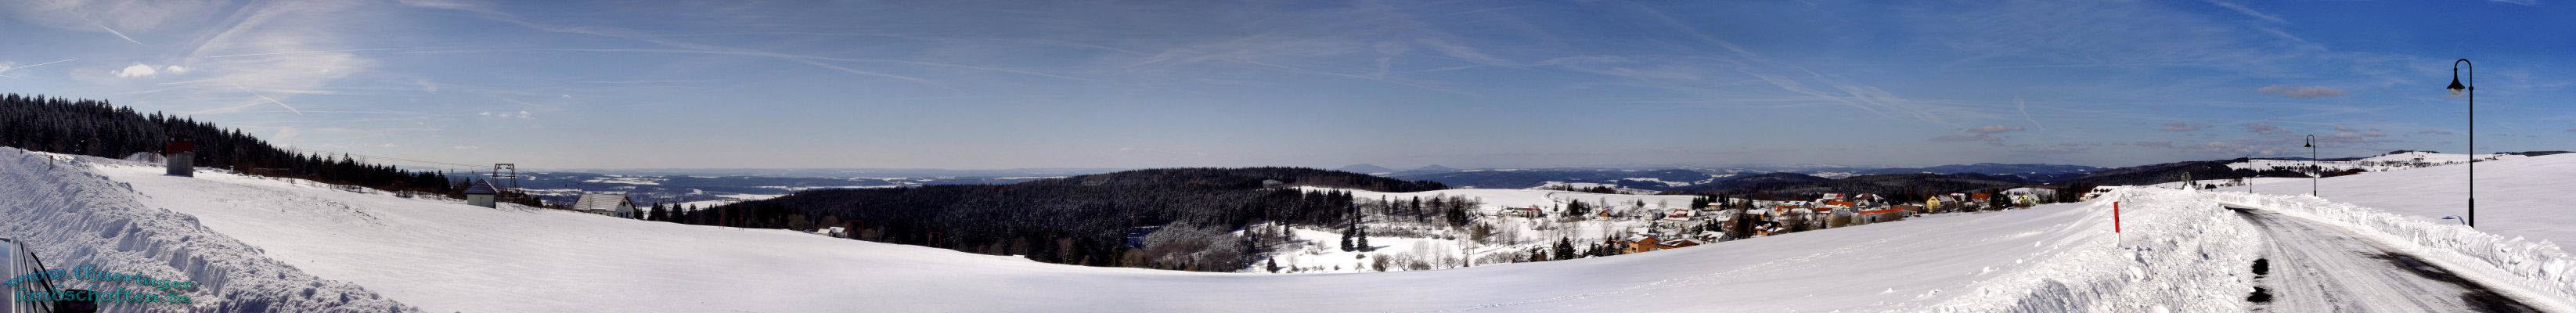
[[1096, 220], [2204, 170], [97, 128]]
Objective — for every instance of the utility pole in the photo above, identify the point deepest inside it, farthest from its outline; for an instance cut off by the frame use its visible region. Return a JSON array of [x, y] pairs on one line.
[[2314, 173]]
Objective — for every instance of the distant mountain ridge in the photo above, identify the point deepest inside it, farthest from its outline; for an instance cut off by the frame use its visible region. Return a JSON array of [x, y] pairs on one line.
[[1425, 170], [1704, 179], [1365, 168]]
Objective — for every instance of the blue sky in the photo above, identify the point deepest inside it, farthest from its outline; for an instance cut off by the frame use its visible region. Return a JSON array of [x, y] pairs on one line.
[[1007, 84]]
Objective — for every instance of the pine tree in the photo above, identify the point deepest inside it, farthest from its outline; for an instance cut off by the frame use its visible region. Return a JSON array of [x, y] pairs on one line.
[[1346, 238], [1363, 241], [1564, 248]]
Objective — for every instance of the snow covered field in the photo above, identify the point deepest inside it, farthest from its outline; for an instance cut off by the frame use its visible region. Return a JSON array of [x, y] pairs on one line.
[[71, 216], [2181, 252], [2380, 163], [444, 256], [2530, 197]]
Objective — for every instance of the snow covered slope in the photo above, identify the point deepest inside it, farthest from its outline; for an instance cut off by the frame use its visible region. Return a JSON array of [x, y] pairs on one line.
[[2530, 196], [2401, 160], [71, 216], [445, 256], [2181, 252]]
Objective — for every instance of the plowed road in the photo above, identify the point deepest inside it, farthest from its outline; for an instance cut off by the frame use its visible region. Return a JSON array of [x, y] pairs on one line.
[[2319, 268]]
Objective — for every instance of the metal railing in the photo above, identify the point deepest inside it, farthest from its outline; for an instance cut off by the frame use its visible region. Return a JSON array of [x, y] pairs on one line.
[[23, 262]]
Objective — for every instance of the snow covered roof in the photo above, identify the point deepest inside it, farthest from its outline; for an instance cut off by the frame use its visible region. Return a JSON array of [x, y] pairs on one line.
[[601, 202], [479, 186]]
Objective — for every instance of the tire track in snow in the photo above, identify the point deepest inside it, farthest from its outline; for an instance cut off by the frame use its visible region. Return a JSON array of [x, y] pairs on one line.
[[2317, 268]]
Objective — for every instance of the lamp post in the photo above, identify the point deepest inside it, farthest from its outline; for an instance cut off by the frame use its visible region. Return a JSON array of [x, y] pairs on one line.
[[2314, 173], [2248, 177], [2471, 90]]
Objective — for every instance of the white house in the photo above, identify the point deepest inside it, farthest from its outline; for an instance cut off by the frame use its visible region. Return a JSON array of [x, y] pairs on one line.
[[479, 192], [610, 204]]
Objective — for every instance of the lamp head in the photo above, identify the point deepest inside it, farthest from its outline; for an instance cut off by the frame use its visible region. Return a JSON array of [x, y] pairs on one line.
[[2456, 88]]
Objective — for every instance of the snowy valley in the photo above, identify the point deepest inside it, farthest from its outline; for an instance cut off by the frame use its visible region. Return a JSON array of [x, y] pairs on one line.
[[2180, 251]]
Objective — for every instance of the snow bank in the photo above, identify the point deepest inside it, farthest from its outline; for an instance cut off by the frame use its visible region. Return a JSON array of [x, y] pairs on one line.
[[2539, 270], [2179, 252], [2527, 197], [71, 216]]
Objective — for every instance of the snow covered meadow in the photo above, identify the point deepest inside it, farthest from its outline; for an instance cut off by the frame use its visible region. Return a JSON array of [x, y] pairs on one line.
[[440, 255], [71, 216], [265, 244], [2402, 160]]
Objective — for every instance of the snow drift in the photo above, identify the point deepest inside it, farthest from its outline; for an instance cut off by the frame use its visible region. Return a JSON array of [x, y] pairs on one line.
[[71, 216]]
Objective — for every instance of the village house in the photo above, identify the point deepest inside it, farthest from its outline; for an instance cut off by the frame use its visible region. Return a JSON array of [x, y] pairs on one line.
[[1676, 243], [1640, 244], [1888, 214], [610, 204], [1868, 200]]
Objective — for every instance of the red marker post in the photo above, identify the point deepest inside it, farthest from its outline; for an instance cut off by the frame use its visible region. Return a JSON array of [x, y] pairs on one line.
[[2115, 217]]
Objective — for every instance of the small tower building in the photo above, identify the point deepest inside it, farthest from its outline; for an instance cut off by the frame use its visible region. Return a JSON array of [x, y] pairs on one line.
[[180, 157]]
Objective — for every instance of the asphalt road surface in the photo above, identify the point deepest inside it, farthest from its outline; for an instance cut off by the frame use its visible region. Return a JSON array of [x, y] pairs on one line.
[[2314, 267]]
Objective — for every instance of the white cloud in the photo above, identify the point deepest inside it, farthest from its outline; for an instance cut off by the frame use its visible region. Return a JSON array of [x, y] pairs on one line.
[[2266, 129], [175, 69], [2311, 92], [285, 134], [388, 145], [2248, 11], [520, 114], [138, 70], [465, 148], [1989, 129], [1988, 134], [109, 15]]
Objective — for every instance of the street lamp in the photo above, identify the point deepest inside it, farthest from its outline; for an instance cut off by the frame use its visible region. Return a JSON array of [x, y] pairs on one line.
[[2472, 91], [2249, 175], [2314, 173]]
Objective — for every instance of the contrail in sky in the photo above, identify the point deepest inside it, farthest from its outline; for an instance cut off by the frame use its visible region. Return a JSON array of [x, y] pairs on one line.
[[118, 34]]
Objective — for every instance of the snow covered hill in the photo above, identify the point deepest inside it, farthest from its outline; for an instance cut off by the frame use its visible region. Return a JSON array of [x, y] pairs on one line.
[[445, 256], [2400, 160], [71, 216], [2181, 252], [2517, 196]]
